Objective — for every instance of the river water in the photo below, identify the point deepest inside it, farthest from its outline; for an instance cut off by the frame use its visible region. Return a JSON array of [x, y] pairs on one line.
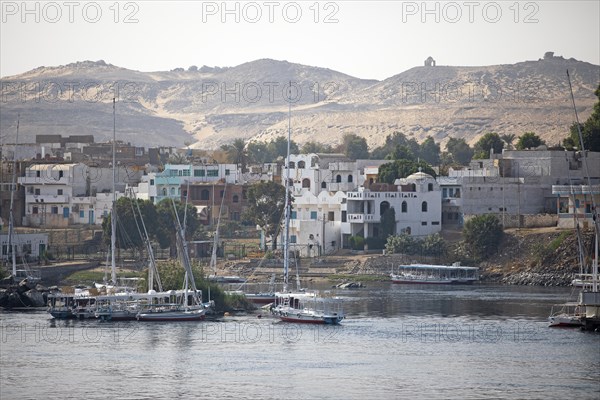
[[398, 341]]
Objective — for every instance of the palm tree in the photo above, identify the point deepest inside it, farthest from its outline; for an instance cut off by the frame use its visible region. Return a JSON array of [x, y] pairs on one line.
[[509, 138], [236, 152]]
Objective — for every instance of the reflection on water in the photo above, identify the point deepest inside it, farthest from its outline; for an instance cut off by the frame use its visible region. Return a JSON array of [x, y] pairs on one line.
[[398, 341]]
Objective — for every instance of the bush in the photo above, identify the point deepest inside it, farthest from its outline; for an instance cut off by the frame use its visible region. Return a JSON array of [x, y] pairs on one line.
[[375, 243], [357, 242], [482, 235]]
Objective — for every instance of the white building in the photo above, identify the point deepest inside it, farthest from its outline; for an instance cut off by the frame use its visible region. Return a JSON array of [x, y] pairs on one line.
[[416, 201], [315, 223], [58, 195], [28, 245]]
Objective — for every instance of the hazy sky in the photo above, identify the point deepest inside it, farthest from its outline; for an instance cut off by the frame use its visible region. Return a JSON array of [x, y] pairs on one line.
[[366, 39]]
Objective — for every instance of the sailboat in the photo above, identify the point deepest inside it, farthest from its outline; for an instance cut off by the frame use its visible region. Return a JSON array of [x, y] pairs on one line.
[[32, 276], [586, 311], [302, 306]]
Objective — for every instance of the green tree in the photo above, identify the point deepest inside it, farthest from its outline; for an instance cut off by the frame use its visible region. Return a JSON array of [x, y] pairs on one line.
[[166, 219], [401, 152], [430, 151], [489, 141], [393, 140], [278, 147], [482, 235], [460, 151], [128, 235], [258, 152], [508, 138], [315, 147], [433, 245], [354, 146], [529, 140], [590, 130], [403, 243], [388, 223], [389, 172], [236, 153], [266, 203]]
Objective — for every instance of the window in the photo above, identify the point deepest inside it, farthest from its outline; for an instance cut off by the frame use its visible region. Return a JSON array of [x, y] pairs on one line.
[[301, 164], [151, 182], [404, 207], [26, 249], [293, 215], [221, 193], [424, 206], [236, 198], [383, 207], [81, 214], [313, 215], [37, 174], [212, 172], [37, 192], [60, 174], [292, 165], [323, 185], [186, 172], [236, 216], [59, 192], [445, 192], [54, 210], [164, 191], [457, 193], [199, 172], [424, 223], [204, 194], [350, 178], [172, 191], [435, 223], [293, 239], [227, 172], [306, 183], [430, 187], [338, 179], [344, 216], [35, 210], [331, 216]]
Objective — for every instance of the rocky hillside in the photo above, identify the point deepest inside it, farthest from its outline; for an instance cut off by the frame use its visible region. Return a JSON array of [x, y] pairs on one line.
[[544, 257], [212, 106]]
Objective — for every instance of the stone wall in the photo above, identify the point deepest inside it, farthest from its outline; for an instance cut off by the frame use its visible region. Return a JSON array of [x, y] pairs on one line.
[[526, 220]]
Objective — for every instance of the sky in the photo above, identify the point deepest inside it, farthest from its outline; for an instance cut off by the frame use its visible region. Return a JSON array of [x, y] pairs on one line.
[[365, 39]]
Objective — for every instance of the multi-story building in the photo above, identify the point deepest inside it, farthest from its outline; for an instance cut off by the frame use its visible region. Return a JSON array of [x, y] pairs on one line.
[[416, 200], [215, 199], [575, 204], [59, 195]]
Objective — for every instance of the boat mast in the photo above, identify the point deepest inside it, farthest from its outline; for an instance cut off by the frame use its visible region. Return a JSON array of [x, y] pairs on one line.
[[11, 223], [286, 258], [113, 214], [596, 216]]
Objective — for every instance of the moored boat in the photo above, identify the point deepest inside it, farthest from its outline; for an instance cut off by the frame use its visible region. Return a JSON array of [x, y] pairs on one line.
[[435, 274]]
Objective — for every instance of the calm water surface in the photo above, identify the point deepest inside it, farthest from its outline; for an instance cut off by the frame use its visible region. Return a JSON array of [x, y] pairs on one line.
[[399, 341]]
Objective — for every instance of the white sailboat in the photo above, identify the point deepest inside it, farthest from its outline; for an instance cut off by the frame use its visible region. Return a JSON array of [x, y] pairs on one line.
[[301, 306]]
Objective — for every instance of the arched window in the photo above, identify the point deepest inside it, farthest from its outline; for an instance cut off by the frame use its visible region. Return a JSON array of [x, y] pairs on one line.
[[172, 191], [350, 178], [430, 187], [236, 198], [338, 179], [424, 206], [301, 164], [290, 182], [164, 191], [204, 194], [305, 182], [323, 185], [292, 165], [383, 207], [404, 207], [413, 187]]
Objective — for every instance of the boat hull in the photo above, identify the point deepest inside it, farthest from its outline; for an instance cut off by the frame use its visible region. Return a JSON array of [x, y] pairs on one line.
[[320, 320], [172, 316]]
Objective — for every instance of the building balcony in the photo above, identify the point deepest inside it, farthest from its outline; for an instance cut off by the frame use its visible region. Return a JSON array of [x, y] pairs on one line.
[[43, 180], [47, 198], [361, 218], [82, 200], [575, 189]]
